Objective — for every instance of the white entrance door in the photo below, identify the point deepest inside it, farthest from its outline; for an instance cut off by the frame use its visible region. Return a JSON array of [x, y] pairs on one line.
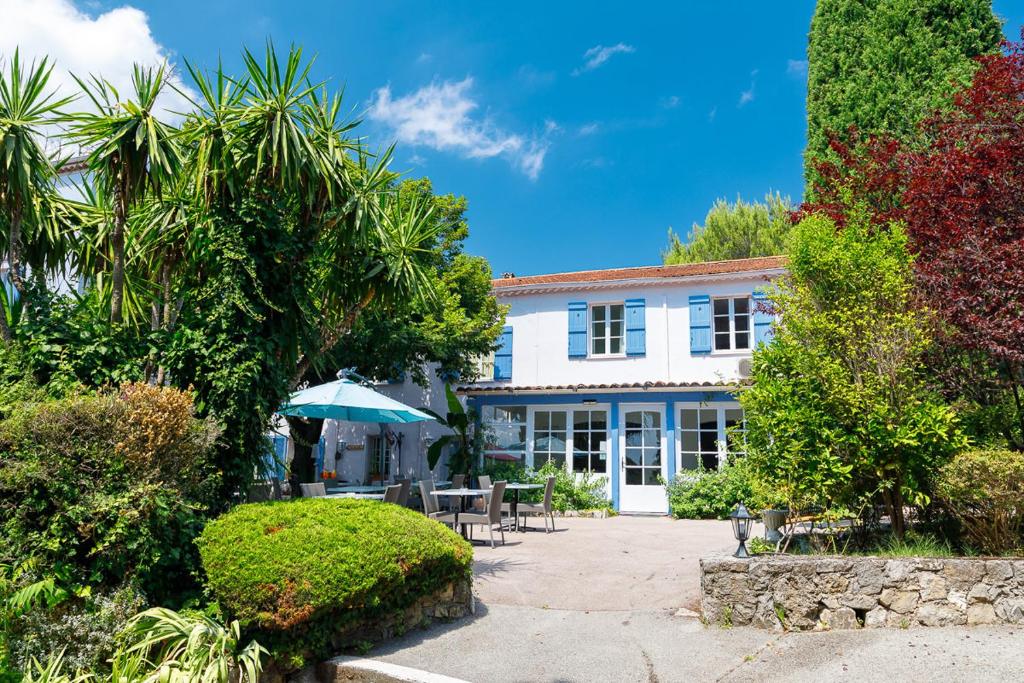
[[643, 459]]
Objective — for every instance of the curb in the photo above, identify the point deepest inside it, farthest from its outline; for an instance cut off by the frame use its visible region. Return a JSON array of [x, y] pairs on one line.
[[340, 669]]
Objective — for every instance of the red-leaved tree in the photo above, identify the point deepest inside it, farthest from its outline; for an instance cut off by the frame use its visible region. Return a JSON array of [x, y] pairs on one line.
[[959, 188]]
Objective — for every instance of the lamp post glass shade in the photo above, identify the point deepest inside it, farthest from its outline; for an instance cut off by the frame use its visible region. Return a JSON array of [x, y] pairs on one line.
[[742, 523]]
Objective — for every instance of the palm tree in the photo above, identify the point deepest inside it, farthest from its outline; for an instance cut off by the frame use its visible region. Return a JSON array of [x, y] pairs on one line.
[[132, 154], [27, 171]]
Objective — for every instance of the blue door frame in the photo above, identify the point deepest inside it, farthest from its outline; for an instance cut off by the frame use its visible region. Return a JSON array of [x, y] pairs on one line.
[[669, 399]]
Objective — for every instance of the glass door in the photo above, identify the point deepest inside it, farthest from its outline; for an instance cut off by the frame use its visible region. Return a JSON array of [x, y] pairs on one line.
[[643, 464]]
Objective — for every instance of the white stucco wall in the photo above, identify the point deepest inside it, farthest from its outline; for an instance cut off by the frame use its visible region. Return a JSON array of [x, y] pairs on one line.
[[540, 335]]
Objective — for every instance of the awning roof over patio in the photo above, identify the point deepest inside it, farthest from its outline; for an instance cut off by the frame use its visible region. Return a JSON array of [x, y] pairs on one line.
[[595, 388]]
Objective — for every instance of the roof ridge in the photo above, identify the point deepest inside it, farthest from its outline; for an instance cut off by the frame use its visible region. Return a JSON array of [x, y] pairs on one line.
[[700, 268]]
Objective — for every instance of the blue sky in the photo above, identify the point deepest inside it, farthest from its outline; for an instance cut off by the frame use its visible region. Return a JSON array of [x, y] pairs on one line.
[[579, 132]]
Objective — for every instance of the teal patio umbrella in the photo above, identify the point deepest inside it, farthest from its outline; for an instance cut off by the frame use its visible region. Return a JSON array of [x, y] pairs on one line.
[[346, 400]]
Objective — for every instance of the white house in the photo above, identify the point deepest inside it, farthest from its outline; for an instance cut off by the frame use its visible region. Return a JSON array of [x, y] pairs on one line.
[[629, 373]]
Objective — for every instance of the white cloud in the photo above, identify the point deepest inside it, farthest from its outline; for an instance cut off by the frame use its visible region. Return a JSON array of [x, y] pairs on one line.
[[589, 129], [712, 114], [551, 126], [103, 44], [670, 102], [599, 54], [747, 96], [796, 68], [441, 116], [424, 57]]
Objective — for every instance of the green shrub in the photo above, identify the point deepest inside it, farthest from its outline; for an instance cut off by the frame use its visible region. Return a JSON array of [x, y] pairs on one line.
[[303, 573], [984, 491], [86, 628], [713, 494], [573, 491], [107, 488]]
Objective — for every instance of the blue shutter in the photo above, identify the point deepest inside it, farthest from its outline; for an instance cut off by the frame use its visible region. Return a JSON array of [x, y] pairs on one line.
[[578, 329], [700, 323], [636, 330], [503, 356], [762, 319]]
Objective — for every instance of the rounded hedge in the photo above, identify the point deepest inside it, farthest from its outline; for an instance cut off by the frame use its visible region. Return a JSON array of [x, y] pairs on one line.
[[301, 571]]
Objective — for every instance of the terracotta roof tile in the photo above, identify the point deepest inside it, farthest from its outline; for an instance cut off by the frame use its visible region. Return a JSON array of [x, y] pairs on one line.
[[646, 272], [504, 388]]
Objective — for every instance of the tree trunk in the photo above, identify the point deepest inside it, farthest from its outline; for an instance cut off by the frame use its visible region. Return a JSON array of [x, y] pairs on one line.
[[305, 433], [5, 330], [894, 501], [14, 254], [117, 246]]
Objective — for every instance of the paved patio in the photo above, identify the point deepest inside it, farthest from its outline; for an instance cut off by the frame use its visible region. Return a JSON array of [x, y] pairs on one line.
[[599, 600], [621, 563]]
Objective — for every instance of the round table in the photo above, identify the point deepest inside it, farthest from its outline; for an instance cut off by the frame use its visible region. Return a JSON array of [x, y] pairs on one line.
[[461, 494], [516, 488]]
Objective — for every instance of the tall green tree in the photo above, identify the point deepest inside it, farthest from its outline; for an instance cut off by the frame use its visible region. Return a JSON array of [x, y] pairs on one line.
[[840, 410], [733, 231], [883, 65], [27, 170], [131, 153], [451, 330]]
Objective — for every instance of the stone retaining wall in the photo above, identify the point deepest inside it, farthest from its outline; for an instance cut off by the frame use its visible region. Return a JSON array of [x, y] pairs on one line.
[[814, 593]]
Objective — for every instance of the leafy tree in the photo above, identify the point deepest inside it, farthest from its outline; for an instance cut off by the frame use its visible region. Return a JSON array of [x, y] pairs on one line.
[[882, 66], [132, 153], [840, 409], [961, 197], [27, 171], [734, 231], [452, 330]]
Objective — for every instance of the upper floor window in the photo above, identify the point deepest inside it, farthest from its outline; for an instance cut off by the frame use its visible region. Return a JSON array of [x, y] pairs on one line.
[[485, 367], [607, 323], [732, 323]]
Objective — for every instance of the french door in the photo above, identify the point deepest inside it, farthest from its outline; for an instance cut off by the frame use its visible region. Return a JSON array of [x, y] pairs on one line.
[[643, 458]]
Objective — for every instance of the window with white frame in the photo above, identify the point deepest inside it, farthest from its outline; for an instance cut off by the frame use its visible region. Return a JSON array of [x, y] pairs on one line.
[[590, 441], [550, 432], [732, 323], [504, 432], [607, 326], [485, 367], [709, 434]]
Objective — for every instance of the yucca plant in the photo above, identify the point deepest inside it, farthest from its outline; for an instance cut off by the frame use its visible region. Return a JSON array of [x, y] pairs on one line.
[[178, 648], [27, 170], [132, 154]]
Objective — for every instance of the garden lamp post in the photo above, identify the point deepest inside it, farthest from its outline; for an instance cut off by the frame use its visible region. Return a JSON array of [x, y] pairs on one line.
[[742, 522]]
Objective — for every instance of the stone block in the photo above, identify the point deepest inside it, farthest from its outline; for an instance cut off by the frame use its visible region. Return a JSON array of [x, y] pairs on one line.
[[861, 602], [899, 601], [1010, 610], [980, 614], [998, 571], [830, 565], [958, 599], [842, 619], [933, 587], [876, 618], [980, 592], [963, 573], [935, 614]]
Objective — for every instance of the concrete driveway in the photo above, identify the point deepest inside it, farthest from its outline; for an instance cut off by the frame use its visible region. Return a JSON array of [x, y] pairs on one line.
[[609, 600]]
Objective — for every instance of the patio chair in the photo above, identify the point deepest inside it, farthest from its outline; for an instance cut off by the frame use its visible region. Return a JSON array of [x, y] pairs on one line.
[[481, 503], [317, 490], [543, 508], [458, 481], [260, 492], [403, 495], [430, 506], [491, 518], [392, 493]]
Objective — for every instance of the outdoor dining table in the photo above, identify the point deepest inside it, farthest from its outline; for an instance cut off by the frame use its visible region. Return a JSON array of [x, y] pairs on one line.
[[360, 496], [461, 494], [515, 488], [375, 488]]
